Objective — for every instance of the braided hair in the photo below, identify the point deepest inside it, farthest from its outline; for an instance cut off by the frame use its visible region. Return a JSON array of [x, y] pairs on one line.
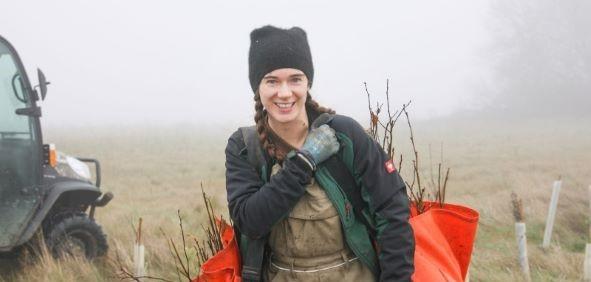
[[262, 127]]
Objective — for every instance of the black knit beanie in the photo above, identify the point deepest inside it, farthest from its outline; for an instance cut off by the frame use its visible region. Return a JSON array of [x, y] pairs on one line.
[[274, 48]]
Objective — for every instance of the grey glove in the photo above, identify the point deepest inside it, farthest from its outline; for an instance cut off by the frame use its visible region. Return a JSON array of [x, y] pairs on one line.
[[320, 144]]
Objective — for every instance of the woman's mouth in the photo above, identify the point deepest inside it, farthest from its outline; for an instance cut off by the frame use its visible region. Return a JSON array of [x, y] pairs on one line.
[[285, 107]]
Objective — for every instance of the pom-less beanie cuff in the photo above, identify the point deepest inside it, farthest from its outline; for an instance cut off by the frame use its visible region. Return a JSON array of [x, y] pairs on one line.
[[274, 48]]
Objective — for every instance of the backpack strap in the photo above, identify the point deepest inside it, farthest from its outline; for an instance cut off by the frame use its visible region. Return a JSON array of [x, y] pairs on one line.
[[254, 152], [252, 251], [252, 256], [344, 177]]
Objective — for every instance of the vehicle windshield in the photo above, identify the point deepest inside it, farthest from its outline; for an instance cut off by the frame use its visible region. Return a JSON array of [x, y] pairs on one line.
[[12, 96]]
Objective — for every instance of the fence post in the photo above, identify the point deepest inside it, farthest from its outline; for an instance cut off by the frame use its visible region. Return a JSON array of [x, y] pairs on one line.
[[551, 213]]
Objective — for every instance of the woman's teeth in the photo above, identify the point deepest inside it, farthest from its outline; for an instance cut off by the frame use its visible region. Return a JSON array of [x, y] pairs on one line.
[[284, 105]]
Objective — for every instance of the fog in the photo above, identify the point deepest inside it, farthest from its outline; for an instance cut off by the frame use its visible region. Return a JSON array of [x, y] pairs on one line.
[[540, 57], [156, 62]]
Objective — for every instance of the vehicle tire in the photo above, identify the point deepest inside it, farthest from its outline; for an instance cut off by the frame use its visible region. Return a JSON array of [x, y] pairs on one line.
[[76, 235]]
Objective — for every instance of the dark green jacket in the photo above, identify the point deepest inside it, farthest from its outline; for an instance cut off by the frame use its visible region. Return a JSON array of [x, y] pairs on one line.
[[258, 201]]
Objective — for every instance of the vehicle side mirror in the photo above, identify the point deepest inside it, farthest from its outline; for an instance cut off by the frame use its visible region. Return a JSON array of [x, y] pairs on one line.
[[42, 83]]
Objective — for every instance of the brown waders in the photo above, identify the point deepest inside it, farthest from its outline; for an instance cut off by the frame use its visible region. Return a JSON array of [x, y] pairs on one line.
[[309, 244]]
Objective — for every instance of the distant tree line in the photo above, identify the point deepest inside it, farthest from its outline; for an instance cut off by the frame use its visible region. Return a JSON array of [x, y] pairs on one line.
[[541, 52]]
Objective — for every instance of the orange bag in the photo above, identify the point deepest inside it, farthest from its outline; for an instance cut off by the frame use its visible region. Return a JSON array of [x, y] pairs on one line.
[[444, 238], [225, 265]]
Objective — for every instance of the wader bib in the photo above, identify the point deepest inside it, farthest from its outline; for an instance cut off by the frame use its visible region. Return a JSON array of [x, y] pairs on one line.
[[309, 244]]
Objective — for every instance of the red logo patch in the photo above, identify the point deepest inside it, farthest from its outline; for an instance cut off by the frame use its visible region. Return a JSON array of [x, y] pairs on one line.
[[390, 166]]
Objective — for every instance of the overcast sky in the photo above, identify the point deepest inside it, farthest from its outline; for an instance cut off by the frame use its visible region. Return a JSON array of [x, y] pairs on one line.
[[129, 62]]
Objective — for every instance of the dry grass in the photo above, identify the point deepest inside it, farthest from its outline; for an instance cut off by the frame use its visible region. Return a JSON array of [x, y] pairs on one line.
[[44, 268], [153, 172]]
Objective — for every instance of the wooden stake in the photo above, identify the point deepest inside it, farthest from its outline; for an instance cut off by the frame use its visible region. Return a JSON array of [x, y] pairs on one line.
[[522, 248], [138, 239], [551, 214]]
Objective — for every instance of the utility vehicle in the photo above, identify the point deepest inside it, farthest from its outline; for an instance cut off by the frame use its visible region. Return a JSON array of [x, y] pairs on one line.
[[42, 191]]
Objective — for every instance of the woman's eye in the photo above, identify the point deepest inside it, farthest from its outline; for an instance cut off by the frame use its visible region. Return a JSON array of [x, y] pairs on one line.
[[296, 80], [271, 81]]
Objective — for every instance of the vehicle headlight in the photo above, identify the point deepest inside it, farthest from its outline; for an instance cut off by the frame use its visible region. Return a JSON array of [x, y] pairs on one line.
[[79, 167], [71, 167]]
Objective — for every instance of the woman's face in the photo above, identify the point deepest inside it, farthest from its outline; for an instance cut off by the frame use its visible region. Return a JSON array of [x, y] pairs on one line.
[[283, 94]]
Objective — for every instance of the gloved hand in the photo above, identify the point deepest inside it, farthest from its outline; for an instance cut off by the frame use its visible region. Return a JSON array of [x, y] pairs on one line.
[[320, 144]]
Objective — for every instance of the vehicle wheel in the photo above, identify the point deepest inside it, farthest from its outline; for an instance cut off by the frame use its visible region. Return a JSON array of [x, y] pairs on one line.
[[76, 235]]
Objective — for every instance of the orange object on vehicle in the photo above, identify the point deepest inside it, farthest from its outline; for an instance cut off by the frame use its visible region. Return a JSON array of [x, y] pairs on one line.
[[225, 265], [444, 238]]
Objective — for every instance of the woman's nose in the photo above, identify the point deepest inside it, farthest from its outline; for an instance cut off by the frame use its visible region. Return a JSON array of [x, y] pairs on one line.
[[284, 90]]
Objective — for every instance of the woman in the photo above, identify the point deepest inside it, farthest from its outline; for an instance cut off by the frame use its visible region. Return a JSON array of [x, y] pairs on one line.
[[297, 214]]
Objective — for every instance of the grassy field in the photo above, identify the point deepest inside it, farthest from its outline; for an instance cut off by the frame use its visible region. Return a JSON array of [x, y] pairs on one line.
[[156, 171]]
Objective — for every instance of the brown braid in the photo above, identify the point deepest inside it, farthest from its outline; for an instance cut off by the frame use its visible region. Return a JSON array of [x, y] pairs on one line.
[[260, 119]]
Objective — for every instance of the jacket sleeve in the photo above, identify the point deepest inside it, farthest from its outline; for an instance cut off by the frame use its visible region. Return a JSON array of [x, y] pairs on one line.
[[256, 206], [385, 193]]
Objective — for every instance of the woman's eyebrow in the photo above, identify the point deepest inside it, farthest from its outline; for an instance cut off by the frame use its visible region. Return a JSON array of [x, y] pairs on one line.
[[291, 76]]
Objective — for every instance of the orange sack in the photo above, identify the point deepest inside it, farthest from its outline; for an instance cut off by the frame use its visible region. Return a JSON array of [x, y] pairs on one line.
[[444, 238], [225, 265]]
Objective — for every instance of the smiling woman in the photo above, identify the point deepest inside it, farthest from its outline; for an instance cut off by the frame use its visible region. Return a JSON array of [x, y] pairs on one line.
[[298, 220]]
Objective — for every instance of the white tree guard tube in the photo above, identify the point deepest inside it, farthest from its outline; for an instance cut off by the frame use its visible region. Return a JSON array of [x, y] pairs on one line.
[[590, 210], [587, 263], [138, 253], [522, 248], [551, 214], [138, 260]]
